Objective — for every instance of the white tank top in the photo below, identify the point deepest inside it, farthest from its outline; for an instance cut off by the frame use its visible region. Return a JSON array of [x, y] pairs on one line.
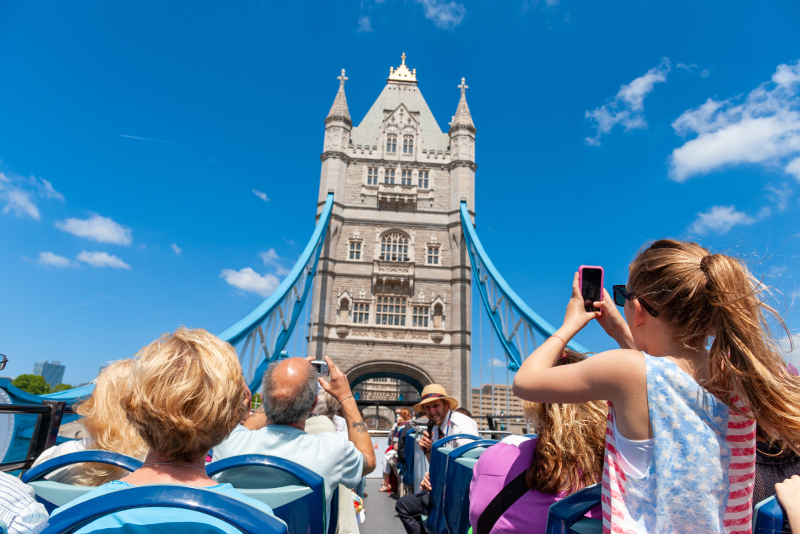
[[635, 455]]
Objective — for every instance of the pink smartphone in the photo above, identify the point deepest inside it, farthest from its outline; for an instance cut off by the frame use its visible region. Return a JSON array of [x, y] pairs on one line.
[[590, 280]]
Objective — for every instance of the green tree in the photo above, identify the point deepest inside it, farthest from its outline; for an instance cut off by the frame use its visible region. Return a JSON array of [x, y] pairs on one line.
[[32, 384], [60, 387]]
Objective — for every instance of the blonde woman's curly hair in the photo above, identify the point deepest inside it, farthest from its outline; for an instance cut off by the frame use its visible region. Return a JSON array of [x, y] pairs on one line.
[[187, 394], [107, 426], [570, 443]]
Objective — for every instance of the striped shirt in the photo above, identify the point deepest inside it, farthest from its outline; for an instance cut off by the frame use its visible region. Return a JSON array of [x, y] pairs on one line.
[[19, 510], [703, 470]]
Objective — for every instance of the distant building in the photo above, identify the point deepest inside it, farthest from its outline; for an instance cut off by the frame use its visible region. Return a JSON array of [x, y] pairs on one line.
[[505, 403], [53, 372], [385, 389]]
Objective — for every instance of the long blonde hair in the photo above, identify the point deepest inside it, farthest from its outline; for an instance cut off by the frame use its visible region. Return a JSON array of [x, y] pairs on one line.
[[107, 425], [702, 295], [570, 443]]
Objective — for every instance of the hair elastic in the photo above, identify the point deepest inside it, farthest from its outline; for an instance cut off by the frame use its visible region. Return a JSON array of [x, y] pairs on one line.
[[704, 263]]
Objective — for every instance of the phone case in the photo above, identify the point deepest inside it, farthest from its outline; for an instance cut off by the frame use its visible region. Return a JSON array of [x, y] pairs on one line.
[[580, 275]]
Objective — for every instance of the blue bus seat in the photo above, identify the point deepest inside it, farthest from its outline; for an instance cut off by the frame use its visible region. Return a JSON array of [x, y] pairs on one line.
[[408, 458], [455, 504], [567, 515], [469, 463], [769, 517], [295, 494], [438, 473], [53, 494], [234, 512]]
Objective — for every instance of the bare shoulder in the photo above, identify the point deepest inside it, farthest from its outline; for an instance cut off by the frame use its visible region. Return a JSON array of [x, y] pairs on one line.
[[616, 366]]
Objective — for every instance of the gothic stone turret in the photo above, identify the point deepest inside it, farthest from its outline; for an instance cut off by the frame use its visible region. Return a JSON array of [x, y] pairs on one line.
[[393, 293]]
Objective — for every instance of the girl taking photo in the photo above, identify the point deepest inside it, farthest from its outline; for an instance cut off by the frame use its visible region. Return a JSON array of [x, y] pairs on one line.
[[699, 371]]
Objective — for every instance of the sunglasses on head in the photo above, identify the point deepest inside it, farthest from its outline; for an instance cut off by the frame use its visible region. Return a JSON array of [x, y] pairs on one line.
[[621, 295]]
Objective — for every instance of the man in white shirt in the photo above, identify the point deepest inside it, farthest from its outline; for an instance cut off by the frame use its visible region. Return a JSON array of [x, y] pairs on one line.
[[440, 409], [19, 511], [289, 393]]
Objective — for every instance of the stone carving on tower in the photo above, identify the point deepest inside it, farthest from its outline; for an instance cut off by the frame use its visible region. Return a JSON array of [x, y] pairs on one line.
[[397, 304]]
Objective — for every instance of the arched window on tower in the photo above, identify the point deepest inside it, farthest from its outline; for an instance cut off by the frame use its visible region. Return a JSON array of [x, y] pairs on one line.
[[388, 176], [391, 143], [405, 178], [394, 247], [408, 144]]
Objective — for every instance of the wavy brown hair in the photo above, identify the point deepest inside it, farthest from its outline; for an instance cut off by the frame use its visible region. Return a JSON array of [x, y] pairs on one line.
[[702, 295], [107, 426], [570, 443]]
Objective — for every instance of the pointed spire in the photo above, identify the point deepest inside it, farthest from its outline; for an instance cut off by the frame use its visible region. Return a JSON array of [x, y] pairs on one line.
[[462, 118], [339, 109]]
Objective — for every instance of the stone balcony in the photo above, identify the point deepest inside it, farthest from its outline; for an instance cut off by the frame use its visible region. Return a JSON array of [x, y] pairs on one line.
[[393, 277], [397, 196]]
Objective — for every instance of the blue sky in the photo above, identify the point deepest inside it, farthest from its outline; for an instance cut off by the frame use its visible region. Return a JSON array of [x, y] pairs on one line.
[[146, 148]]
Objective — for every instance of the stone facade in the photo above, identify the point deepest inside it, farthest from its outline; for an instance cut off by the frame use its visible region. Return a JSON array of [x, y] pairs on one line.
[[402, 312]]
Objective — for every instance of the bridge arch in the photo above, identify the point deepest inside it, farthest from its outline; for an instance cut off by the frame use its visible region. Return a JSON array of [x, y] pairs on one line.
[[413, 375]]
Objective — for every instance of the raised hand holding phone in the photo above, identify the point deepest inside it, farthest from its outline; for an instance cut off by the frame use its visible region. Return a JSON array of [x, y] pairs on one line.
[[576, 317]]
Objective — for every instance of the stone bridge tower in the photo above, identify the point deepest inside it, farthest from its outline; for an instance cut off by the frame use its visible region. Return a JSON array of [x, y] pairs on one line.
[[393, 290]]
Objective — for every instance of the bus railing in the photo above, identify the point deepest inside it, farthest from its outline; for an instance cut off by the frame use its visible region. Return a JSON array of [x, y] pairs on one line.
[[45, 432]]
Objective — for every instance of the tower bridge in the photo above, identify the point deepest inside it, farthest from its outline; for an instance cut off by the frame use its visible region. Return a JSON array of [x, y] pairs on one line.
[[394, 285]]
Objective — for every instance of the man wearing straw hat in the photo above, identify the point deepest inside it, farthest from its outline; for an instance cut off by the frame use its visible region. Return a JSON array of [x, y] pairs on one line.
[[440, 409]]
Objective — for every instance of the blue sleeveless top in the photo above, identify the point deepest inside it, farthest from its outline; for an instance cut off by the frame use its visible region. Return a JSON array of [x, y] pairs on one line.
[[703, 469]]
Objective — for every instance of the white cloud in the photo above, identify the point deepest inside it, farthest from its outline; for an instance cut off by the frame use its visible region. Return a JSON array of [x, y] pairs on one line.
[[720, 219], [48, 258], [793, 168], [248, 280], [46, 189], [97, 228], [18, 192], [102, 259], [19, 202], [445, 15], [176, 249], [497, 362], [627, 107], [705, 73], [259, 194], [686, 67], [764, 130], [364, 24], [271, 259], [780, 196]]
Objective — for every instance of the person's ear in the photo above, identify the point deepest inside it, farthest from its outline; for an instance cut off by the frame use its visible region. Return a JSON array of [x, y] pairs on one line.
[[640, 315]]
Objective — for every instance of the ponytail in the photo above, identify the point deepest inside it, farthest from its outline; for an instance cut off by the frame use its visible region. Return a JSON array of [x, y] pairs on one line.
[[702, 295]]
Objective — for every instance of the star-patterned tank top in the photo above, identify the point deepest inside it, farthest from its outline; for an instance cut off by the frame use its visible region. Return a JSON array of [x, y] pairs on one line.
[[703, 469]]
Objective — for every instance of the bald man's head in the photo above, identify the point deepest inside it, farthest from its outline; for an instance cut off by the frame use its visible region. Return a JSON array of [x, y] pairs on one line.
[[289, 389]]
